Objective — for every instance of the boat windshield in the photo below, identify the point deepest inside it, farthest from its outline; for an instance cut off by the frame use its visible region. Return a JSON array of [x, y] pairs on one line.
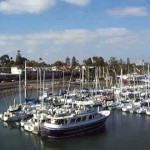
[[60, 121]]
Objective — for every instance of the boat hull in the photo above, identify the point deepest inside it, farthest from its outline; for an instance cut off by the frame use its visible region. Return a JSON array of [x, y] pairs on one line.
[[72, 131]]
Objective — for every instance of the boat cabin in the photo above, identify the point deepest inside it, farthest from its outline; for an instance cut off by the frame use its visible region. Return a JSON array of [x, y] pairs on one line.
[[67, 120]]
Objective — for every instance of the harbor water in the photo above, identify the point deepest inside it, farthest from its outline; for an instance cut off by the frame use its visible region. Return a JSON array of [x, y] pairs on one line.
[[122, 131]]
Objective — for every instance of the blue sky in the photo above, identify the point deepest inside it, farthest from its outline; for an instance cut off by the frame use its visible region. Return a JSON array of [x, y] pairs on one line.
[[55, 29]]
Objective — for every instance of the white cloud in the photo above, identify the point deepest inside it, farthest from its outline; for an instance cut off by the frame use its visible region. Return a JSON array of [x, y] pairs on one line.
[[57, 45], [78, 2], [25, 6], [33, 6], [128, 11], [112, 31]]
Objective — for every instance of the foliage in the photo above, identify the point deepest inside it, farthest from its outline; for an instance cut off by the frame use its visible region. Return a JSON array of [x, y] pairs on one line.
[[95, 61], [58, 63], [98, 61], [4, 59], [112, 66], [19, 59], [74, 62], [88, 62], [67, 61]]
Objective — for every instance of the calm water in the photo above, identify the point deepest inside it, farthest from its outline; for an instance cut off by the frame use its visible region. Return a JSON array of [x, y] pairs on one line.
[[122, 131]]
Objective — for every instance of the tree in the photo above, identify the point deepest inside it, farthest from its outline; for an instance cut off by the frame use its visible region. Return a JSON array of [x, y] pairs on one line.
[[4, 59], [74, 61], [113, 61], [128, 60], [58, 63], [11, 62], [67, 61], [114, 65], [88, 62], [11, 59], [40, 59], [18, 58], [98, 61]]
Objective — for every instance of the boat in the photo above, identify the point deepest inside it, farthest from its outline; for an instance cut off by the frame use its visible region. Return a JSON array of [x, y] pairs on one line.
[[133, 110], [127, 107], [75, 124], [148, 111], [141, 110], [14, 117], [112, 105], [35, 124], [15, 107]]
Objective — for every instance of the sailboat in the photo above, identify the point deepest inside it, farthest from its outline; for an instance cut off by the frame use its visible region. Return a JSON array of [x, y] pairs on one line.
[[148, 108], [14, 113], [27, 99]]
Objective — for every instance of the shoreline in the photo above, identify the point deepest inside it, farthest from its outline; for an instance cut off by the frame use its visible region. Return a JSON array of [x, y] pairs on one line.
[[9, 87]]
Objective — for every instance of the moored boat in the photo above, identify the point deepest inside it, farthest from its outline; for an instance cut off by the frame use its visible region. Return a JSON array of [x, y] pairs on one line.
[[74, 124]]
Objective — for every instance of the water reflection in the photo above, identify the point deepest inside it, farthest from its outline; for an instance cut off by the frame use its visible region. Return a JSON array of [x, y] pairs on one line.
[[126, 129], [58, 144], [79, 142], [11, 125]]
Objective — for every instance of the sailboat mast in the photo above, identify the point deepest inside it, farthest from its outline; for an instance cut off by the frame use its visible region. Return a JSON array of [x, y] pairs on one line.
[[96, 78], [40, 81], [134, 82], [25, 82], [43, 81], [63, 80], [148, 77], [37, 82], [121, 81], [82, 77], [88, 76], [148, 84], [52, 83], [20, 87]]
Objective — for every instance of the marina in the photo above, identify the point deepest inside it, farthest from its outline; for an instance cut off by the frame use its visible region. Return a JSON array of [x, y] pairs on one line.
[[74, 75], [122, 131], [105, 109], [127, 121], [57, 120]]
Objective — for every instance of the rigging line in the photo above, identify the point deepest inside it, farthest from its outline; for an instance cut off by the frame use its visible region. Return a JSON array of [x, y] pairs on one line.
[[69, 85], [5, 95]]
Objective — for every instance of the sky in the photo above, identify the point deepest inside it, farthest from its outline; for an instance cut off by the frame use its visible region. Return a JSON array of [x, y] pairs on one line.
[[55, 29]]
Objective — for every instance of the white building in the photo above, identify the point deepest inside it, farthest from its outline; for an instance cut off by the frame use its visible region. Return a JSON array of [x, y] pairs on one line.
[[16, 70]]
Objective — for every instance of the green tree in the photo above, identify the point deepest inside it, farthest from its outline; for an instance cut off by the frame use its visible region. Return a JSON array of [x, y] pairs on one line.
[[74, 61], [18, 58], [88, 62], [114, 65], [4, 60], [113, 61], [58, 63], [67, 61], [98, 61]]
